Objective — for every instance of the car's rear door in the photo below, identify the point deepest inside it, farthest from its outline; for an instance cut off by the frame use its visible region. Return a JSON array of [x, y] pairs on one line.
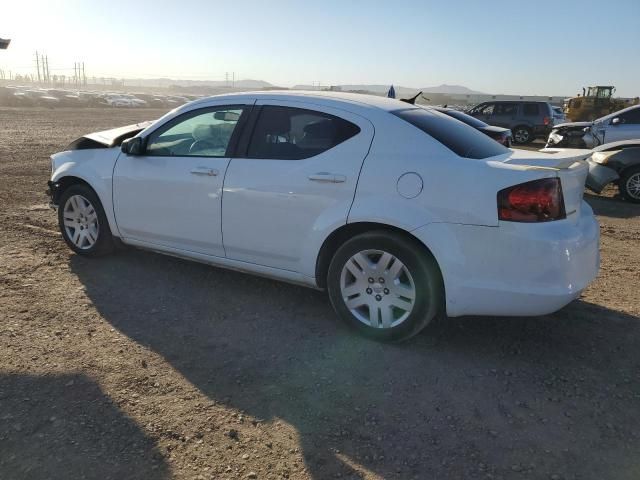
[[296, 177], [170, 196]]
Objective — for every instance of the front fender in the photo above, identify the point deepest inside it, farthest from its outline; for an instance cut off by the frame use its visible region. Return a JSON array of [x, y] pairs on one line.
[[93, 166]]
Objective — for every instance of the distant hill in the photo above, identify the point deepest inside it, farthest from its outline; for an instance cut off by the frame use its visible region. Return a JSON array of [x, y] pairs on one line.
[[248, 84], [400, 90]]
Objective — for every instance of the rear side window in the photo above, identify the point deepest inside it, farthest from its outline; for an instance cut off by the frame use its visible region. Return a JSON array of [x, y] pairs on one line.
[[531, 109], [458, 137], [287, 133]]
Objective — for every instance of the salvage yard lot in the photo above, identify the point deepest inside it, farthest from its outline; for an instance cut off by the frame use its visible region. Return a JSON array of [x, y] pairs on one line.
[[144, 366]]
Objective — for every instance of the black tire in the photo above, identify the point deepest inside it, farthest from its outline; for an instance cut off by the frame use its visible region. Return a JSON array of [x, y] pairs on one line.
[[522, 135], [628, 180], [104, 243], [429, 290]]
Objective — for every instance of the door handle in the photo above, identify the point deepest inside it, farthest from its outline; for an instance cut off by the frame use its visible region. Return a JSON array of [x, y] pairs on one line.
[[210, 172], [325, 177]]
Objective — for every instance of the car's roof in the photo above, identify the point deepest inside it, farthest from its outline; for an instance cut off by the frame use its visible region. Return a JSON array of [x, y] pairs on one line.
[[328, 98]]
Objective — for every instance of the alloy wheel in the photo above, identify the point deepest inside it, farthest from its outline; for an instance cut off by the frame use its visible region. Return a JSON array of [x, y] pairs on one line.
[[521, 135], [377, 288], [633, 186], [81, 222]]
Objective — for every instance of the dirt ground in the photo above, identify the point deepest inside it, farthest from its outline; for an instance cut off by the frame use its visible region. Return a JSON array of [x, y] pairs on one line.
[[139, 365]]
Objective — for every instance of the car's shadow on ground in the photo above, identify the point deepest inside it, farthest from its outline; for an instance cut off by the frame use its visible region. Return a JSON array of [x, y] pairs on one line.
[[62, 427], [477, 396], [615, 206]]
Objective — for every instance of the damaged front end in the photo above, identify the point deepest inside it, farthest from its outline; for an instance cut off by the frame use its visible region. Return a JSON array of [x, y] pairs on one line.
[[573, 135]]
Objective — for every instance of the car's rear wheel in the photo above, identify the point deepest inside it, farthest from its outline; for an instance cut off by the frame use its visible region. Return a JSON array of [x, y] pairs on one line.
[[522, 135], [629, 184], [83, 223], [385, 285]]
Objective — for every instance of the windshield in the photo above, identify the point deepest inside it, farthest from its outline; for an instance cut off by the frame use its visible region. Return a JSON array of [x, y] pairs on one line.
[[457, 136]]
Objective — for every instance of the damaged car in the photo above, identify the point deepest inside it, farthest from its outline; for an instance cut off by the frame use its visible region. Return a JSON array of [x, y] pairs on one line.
[[617, 126], [617, 163], [342, 192]]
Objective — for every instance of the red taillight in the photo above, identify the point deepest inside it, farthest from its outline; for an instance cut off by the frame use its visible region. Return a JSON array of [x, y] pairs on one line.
[[546, 120], [535, 201]]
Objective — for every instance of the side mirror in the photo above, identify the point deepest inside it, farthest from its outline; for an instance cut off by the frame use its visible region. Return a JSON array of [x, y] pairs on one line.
[[615, 121], [132, 146]]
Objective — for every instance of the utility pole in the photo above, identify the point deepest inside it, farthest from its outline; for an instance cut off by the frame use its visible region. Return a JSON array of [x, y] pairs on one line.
[[84, 76], [38, 65], [226, 79], [46, 62]]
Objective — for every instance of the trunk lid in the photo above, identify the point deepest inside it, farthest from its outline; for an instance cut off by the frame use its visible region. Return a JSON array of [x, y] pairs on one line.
[[568, 164]]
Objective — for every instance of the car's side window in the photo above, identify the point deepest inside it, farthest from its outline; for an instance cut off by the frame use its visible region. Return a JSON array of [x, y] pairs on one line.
[[488, 109], [203, 133], [506, 109], [630, 118], [287, 133], [531, 109]]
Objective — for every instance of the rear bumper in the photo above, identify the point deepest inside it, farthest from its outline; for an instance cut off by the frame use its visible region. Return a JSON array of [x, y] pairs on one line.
[[600, 176], [515, 269]]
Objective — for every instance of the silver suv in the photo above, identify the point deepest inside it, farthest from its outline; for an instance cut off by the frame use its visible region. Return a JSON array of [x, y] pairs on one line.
[[526, 120]]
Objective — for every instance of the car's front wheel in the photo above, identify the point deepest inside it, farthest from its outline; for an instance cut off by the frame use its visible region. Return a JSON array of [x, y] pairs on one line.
[[83, 223], [385, 285], [630, 184]]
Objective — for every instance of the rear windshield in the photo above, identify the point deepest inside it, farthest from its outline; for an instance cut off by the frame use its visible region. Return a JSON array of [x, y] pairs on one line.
[[458, 137], [463, 117]]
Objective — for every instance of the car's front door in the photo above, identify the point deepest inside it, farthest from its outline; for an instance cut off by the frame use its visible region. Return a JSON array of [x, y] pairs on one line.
[[627, 127], [171, 194], [298, 176]]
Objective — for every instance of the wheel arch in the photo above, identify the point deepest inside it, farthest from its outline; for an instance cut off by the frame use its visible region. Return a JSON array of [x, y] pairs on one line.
[[63, 183], [349, 230]]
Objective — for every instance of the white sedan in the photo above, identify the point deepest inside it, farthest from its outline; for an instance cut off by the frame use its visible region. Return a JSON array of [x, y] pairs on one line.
[[400, 212]]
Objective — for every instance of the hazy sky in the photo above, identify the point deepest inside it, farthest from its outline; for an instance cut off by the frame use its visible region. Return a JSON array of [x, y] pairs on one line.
[[547, 47]]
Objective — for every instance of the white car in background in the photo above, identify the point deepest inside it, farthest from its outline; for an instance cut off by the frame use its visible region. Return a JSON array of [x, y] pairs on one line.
[[117, 100], [401, 213], [615, 127]]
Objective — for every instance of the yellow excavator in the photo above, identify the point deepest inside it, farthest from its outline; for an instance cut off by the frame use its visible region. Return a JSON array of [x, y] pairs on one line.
[[595, 102]]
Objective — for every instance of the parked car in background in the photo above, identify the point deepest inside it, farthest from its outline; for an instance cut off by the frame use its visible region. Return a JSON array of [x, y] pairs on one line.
[[526, 120], [499, 134], [154, 101], [116, 100], [618, 163], [558, 115], [42, 98], [621, 125], [346, 192]]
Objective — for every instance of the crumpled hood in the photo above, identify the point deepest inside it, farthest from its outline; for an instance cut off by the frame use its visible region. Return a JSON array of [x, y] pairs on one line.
[[572, 125], [115, 136]]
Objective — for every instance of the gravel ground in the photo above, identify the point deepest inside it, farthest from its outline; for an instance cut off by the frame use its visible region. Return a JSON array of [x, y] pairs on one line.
[[144, 366]]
